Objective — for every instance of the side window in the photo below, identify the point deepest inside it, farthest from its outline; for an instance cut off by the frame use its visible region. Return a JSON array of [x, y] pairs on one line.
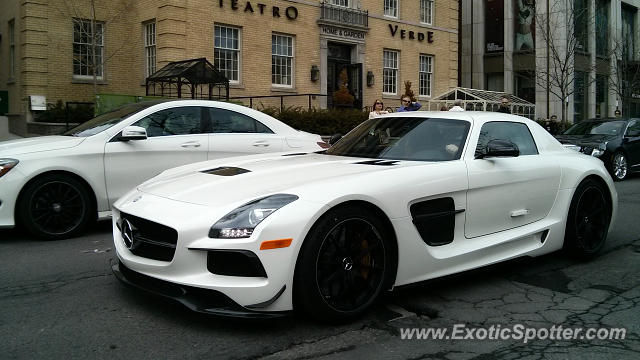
[[634, 128], [227, 121], [175, 121], [517, 133]]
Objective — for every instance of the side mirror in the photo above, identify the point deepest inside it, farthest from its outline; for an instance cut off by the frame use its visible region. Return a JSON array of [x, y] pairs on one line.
[[499, 148], [334, 139], [133, 133]]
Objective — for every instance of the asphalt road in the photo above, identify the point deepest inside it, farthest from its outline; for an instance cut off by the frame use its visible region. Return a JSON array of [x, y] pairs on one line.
[[59, 300]]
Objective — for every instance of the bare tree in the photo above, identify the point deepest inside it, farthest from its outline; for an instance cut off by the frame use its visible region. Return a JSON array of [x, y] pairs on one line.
[[564, 28], [625, 79]]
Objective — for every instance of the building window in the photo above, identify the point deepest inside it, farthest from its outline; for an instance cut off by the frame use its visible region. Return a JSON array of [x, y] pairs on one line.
[[602, 26], [425, 75], [391, 8], [628, 31], [390, 72], [580, 84], [150, 47], [581, 25], [226, 53], [426, 11], [12, 49], [344, 3], [281, 60], [602, 93], [86, 44]]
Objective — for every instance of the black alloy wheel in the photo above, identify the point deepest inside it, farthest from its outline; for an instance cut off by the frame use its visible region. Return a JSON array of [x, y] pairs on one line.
[[344, 265], [619, 166], [588, 220], [55, 207]]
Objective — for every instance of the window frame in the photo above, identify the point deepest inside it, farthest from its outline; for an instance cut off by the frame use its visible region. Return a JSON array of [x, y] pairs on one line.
[[150, 51], [428, 72], [390, 6], [423, 14], [100, 29], [237, 51], [394, 71], [290, 60]]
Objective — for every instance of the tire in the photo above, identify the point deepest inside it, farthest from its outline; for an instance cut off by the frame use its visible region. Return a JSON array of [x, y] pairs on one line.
[[588, 220], [347, 259], [619, 166], [54, 207]]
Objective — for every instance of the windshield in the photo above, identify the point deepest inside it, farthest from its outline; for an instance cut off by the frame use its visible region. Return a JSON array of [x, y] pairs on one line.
[[403, 138], [596, 128], [108, 119]]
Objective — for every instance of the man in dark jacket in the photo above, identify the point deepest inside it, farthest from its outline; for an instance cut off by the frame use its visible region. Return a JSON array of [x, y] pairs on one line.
[[504, 105]]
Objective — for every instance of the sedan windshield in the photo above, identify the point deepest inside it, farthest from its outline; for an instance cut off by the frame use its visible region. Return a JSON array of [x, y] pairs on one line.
[[107, 120], [403, 138], [596, 128]]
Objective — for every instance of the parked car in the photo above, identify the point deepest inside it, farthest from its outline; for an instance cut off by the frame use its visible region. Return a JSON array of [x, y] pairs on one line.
[[56, 185], [402, 198], [615, 141]]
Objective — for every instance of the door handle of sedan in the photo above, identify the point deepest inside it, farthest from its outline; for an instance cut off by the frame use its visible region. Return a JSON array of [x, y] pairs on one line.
[[261, 144], [190, 144]]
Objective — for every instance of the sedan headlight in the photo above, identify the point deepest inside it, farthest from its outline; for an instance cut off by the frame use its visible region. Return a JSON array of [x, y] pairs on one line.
[[6, 165], [240, 222], [600, 150]]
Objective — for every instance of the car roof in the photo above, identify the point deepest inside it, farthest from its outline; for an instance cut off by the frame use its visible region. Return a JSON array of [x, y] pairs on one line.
[[471, 116]]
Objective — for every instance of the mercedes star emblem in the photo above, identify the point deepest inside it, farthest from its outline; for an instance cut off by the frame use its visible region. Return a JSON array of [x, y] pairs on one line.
[[127, 233]]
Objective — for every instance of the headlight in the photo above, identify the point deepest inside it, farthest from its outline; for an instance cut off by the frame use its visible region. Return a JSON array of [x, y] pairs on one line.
[[600, 150], [6, 165], [240, 222]]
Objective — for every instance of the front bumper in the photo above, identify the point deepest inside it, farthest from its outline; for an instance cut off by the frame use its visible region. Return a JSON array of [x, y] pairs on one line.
[[196, 299]]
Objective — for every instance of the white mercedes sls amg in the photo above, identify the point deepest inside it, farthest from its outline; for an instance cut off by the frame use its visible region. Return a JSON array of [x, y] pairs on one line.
[[400, 199]]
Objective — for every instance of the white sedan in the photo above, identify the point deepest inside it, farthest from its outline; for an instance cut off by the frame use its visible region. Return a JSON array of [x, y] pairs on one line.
[[56, 185], [400, 199]]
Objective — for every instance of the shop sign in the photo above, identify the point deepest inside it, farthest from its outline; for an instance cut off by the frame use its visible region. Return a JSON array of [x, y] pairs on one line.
[[290, 12], [411, 35], [343, 33]]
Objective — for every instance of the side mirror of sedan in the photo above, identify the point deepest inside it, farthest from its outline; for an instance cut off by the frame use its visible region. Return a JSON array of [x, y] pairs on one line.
[[499, 148], [133, 133], [334, 139]]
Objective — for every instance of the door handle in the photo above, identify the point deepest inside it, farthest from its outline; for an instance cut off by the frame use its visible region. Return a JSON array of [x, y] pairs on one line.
[[261, 144], [521, 212], [190, 144]]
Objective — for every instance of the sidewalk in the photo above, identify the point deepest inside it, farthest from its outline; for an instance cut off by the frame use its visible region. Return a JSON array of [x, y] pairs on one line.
[[4, 130]]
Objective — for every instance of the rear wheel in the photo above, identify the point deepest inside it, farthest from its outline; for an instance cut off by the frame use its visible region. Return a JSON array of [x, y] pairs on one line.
[[588, 220], [343, 265], [619, 166], [55, 207]]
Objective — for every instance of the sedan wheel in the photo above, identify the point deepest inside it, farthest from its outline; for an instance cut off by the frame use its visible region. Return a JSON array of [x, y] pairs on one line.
[[343, 265], [588, 220], [619, 167], [55, 207]]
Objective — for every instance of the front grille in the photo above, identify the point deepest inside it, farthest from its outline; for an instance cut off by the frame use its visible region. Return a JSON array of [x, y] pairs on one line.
[[149, 239]]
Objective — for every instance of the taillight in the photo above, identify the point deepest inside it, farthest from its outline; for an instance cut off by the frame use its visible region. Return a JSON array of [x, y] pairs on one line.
[[323, 144]]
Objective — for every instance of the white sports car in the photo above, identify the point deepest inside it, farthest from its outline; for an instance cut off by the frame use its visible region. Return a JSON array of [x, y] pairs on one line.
[[400, 199], [56, 185]]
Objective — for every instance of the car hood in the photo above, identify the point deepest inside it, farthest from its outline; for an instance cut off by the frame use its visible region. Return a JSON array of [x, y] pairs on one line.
[[585, 140], [218, 183], [36, 144]]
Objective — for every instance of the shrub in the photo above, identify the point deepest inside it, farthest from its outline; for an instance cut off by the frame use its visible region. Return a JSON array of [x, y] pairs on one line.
[[319, 121], [59, 113]]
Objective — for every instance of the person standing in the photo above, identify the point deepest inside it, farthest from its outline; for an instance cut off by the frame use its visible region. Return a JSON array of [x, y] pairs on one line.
[[504, 105], [457, 106], [378, 109], [407, 105]]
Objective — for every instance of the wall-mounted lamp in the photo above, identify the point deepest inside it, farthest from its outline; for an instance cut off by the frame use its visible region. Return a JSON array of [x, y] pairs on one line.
[[370, 79], [315, 73]]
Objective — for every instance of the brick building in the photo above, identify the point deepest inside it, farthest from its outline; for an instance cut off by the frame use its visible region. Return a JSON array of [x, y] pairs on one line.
[[51, 48]]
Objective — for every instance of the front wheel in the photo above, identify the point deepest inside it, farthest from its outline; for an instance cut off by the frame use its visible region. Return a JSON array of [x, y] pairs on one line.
[[55, 207], [344, 264], [619, 166], [588, 220]]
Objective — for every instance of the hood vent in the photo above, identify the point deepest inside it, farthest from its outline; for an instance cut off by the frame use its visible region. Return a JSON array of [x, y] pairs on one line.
[[226, 171], [378, 162], [295, 154]]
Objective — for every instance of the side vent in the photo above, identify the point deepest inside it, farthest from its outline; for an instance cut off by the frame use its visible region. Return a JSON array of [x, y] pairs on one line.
[[435, 220], [226, 171], [378, 162]]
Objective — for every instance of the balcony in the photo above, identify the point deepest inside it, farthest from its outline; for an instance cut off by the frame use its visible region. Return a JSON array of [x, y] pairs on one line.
[[343, 16]]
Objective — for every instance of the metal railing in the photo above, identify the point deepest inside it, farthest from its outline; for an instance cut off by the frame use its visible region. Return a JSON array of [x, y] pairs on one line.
[[341, 15], [310, 97]]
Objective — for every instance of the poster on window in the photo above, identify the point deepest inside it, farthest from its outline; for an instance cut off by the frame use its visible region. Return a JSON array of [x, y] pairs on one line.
[[525, 14], [494, 25]]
